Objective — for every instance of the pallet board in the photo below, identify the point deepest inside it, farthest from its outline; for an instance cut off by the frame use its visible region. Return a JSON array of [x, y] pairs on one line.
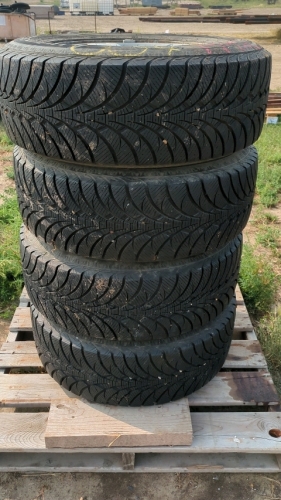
[[224, 440], [93, 425], [243, 354]]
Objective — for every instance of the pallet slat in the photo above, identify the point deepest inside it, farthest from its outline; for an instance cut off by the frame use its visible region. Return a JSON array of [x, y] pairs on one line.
[[91, 425], [24, 298], [213, 432], [21, 320], [226, 389], [245, 354], [22, 431], [242, 354], [203, 463], [79, 462]]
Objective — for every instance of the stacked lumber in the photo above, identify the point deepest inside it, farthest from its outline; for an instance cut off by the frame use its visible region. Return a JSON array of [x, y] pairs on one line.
[[235, 19], [179, 12], [138, 11], [274, 104]]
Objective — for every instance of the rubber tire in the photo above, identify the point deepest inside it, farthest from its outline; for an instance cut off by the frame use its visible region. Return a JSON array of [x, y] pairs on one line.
[[127, 304], [136, 215], [142, 105], [134, 376]]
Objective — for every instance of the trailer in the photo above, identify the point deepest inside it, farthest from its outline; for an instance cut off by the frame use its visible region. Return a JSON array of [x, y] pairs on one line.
[[64, 4], [42, 11], [91, 7]]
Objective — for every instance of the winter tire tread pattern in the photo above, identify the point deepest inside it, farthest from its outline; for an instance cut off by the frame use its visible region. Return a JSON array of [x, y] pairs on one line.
[[136, 216], [134, 376], [124, 304]]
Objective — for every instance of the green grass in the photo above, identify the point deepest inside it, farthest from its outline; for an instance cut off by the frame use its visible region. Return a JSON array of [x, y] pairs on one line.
[[258, 282], [10, 173], [269, 334], [269, 176], [5, 143], [10, 266], [268, 237], [268, 331]]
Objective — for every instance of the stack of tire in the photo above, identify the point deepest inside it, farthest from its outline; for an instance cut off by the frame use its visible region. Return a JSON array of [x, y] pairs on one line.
[[135, 175]]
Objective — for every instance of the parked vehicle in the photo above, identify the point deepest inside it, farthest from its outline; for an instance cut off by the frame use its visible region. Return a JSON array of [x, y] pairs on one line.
[[91, 7]]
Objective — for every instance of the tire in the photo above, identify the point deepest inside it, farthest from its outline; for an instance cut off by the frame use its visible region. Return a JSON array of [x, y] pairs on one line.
[[134, 376], [160, 100], [136, 215], [122, 304]]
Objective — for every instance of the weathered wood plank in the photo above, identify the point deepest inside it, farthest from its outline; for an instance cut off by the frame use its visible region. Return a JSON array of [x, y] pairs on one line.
[[12, 337], [242, 432], [239, 296], [76, 424], [236, 389], [202, 463], [50, 462], [19, 347], [251, 335], [128, 461], [242, 320], [19, 360], [230, 432], [22, 430], [19, 354], [245, 354], [176, 463], [29, 391], [242, 354], [24, 298], [278, 459], [226, 389], [21, 320]]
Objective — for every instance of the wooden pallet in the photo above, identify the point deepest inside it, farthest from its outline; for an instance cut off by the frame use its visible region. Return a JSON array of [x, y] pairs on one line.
[[233, 417], [273, 104]]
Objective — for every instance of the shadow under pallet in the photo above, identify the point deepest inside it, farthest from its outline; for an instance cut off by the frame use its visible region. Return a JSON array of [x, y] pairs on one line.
[[236, 419]]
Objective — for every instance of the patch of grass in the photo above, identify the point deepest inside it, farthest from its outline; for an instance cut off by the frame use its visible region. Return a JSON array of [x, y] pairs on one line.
[[268, 237], [10, 173], [11, 281], [278, 34], [262, 218], [269, 176], [270, 217], [258, 282], [268, 331], [5, 143]]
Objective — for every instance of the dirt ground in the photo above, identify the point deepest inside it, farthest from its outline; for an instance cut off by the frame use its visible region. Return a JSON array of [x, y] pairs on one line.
[[91, 486], [140, 486]]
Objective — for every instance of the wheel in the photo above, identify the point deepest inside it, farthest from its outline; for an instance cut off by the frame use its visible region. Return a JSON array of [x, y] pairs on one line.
[[146, 100], [128, 304], [130, 215], [133, 375]]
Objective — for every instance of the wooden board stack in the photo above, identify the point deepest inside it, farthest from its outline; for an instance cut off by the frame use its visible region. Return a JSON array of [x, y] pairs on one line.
[[236, 418], [273, 104]]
